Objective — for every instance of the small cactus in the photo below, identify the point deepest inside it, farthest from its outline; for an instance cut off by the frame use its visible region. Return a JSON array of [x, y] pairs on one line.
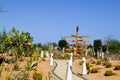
[[37, 75]]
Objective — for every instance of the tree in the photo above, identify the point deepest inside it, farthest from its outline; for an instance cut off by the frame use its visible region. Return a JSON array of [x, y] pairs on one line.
[[114, 46], [62, 43], [107, 41], [97, 45]]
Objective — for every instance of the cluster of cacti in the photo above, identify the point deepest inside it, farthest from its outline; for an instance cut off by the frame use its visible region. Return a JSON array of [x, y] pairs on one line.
[[117, 67], [37, 75], [109, 73]]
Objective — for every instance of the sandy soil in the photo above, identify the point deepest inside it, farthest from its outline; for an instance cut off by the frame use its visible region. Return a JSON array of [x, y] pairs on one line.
[[100, 75], [45, 68]]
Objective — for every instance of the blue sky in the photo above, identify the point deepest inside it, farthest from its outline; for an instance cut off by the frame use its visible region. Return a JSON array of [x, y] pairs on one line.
[[50, 20]]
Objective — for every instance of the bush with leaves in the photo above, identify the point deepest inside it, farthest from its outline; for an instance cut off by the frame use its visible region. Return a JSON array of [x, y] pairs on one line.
[[37, 75]]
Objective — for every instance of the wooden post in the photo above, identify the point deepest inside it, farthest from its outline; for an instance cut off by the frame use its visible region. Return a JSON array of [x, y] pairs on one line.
[[77, 28]]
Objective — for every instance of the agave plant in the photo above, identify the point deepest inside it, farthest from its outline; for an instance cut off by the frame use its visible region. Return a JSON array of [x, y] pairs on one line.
[[31, 65]]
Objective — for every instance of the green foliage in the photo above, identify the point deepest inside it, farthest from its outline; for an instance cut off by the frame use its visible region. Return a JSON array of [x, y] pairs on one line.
[[117, 67], [22, 75], [88, 66], [109, 73], [107, 64], [98, 63], [62, 43], [94, 70], [114, 46], [16, 67], [19, 41], [1, 59], [37, 75], [35, 56], [11, 60], [31, 65], [97, 44]]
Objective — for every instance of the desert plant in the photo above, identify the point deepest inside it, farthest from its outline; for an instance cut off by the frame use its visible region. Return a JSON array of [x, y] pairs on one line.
[[117, 67], [98, 63], [94, 70], [109, 73], [16, 67], [35, 56], [105, 62], [88, 66], [22, 75], [31, 65], [37, 75], [108, 65]]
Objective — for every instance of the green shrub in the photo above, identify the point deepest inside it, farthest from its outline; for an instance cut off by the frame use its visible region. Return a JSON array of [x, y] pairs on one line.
[[88, 66], [22, 75], [94, 70], [108, 65], [16, 67], [106, 62], [109, 73], [98, 63], [117, 67], [37, 75]]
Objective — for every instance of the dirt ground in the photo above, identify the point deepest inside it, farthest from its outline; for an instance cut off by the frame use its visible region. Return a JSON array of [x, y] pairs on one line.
[[100, 75], [44, 67]]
